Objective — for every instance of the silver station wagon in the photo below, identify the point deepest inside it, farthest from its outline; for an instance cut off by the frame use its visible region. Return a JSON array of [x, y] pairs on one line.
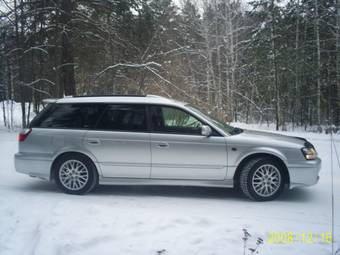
[[79, 142]]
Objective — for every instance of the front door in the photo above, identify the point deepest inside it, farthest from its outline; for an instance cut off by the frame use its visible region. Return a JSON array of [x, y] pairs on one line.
[[179, 151], [121, 142]]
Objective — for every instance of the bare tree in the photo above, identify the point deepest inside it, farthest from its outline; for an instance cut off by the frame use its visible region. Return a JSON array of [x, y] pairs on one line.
[[67, 80], [274, 65], [297, 62], [318, 78], [338, 59]]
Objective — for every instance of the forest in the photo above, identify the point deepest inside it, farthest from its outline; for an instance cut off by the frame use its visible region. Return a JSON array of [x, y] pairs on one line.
[[265, 61]]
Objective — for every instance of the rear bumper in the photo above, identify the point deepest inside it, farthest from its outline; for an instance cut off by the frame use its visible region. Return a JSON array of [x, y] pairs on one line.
[[305, 173], [32, 166]]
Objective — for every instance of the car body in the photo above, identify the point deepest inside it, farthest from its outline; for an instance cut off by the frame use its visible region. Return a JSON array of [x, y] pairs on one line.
[[152, 140]]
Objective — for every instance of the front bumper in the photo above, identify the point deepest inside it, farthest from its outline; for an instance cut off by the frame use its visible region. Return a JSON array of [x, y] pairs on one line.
[[305, 173], [33, 166]]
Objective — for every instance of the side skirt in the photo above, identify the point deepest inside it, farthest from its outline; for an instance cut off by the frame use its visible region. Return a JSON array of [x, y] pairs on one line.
[[170, 182]]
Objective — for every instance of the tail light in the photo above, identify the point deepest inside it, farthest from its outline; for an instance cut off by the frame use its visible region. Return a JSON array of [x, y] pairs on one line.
[[24, 134]]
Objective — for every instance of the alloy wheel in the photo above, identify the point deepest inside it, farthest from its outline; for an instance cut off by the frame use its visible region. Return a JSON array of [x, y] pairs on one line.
[[73, 175], [266, 180]]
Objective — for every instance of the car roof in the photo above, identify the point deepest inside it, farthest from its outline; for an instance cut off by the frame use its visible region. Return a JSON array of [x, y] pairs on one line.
[[148, 99]]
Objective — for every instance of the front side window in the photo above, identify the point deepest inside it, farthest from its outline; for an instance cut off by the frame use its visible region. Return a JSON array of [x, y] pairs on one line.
[[225, 127], [123, 118], [77, 116], [172, 120]]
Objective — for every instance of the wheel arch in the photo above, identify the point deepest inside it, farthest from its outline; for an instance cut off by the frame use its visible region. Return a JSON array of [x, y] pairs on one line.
[[61, 154], [277, 159]]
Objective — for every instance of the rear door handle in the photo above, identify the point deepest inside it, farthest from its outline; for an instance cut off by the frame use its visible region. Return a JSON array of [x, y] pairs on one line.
[[162, 145], [93, 141]]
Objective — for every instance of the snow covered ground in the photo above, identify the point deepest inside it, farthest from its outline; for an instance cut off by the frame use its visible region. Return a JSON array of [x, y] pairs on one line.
[[35, 218]]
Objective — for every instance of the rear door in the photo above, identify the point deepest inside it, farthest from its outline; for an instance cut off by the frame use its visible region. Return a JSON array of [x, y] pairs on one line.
[[120, 141], [60, 127], [179, 151]]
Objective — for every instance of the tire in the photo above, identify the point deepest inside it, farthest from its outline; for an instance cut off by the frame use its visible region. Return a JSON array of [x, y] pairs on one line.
[[262, 179], [75, 174]]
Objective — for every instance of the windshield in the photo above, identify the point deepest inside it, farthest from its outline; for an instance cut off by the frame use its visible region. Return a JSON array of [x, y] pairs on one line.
[[225, 127]]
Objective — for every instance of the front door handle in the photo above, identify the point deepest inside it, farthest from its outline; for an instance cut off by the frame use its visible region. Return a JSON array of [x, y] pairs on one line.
[[162, 145], [93, 141]]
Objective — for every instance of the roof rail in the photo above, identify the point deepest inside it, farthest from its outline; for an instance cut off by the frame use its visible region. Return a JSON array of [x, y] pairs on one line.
[[115, 95], [150, 95], [49, 100]]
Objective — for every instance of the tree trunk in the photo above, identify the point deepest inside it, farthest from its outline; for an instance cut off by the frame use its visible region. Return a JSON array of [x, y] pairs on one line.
[[274, 68], [230, 63], [28, 113], [337, 120], [10, 96], [209, 68], [318, 81], [4, 113], [19, 61], [67, 79], [141, 83], [297, 64]]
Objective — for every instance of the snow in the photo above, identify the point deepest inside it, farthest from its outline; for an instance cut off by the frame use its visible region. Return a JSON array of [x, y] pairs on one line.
[[16, 113], [35, 218]]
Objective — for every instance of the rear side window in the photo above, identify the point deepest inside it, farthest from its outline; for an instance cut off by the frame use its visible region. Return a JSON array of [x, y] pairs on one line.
[[77, 116], [123, 117]]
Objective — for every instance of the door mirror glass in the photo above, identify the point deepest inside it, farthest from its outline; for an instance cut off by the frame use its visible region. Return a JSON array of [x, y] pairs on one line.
[[206, 130]]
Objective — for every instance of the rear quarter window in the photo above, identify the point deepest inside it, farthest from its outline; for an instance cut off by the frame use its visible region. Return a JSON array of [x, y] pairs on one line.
[[77, 116]]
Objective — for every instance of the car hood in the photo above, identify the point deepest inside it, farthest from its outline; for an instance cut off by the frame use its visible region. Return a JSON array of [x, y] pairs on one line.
[[276, 139]]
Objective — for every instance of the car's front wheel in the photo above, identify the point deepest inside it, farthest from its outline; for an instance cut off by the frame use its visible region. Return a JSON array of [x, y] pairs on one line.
[[75, 174], [262, 179]]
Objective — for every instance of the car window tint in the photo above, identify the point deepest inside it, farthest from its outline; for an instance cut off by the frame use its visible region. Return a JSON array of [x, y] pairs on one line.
[[48, 109], [78, 116], [173, 120], [123, 118]]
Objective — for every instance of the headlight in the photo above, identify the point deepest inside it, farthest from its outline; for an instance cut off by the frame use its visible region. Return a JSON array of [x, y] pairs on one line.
[[309, 153]]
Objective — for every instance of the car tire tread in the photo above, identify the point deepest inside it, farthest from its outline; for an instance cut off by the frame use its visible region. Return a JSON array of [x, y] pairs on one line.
[[244, 177]]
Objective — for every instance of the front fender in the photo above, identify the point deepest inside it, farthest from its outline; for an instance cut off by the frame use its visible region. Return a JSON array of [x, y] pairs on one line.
[[260, 150], [245, 152]]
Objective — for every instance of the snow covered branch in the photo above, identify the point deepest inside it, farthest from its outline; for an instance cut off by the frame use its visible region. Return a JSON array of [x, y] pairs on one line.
[[38, 90], [40, 80], [144, 65]]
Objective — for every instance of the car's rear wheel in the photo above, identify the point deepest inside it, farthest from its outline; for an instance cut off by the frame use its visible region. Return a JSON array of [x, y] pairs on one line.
[[75, 174], [262, 179]]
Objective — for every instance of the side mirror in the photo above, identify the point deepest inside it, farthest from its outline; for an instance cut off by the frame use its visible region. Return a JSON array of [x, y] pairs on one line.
[[206, 130]]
